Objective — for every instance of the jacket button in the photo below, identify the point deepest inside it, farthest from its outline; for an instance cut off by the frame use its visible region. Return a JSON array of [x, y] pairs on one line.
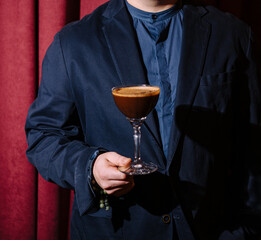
[[166, 218]]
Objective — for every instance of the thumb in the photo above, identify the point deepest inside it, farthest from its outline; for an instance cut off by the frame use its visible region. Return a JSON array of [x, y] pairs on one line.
[[119, 160]]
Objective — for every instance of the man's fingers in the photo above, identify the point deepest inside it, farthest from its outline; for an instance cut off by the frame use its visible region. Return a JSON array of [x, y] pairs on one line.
[[107, 175], [114, 174], [118, 160]]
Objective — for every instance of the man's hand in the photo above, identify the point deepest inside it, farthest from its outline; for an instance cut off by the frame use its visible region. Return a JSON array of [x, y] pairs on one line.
[[107, 175]]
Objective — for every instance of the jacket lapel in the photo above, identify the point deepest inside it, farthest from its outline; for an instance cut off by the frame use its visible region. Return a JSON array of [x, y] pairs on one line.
[[125, 51], [195, 40], [123, 45]]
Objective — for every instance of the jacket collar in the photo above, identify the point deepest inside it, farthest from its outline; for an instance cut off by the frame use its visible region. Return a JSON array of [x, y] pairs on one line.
[[113, 8]]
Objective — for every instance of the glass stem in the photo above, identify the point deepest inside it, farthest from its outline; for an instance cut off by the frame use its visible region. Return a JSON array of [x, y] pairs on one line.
[[137, 138], [136, 124]]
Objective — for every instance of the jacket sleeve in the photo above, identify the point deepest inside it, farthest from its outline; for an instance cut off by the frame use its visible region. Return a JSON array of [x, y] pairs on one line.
[[54, 137], [245, 176]]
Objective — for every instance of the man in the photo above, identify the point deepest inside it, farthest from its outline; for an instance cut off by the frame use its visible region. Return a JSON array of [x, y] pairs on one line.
[[204, 134]]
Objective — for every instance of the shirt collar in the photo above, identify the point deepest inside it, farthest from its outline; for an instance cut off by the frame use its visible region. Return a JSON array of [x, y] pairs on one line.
[[152, 17]]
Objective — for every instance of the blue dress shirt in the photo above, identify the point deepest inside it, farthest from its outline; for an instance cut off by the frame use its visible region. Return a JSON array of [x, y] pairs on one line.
[[160, 38]]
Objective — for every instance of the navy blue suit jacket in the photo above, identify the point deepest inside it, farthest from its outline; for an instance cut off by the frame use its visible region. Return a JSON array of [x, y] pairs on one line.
[[208, 187]]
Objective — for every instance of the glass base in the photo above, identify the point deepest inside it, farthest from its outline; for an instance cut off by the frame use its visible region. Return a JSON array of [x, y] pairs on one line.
[[141, 168]]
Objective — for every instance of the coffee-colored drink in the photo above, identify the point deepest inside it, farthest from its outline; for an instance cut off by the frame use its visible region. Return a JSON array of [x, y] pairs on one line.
[[136, 102]]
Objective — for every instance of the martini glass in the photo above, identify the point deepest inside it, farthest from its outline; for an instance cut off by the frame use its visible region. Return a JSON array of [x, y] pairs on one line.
[[136, 102]]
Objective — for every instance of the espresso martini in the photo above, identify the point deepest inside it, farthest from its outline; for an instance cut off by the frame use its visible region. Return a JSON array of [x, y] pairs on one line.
[[136, 102]]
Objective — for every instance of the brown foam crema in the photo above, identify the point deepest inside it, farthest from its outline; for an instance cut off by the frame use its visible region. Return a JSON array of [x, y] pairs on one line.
[[136, 91], [137, 101]]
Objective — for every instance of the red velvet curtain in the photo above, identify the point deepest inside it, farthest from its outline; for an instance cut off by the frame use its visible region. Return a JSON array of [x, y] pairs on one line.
[[31, 208]]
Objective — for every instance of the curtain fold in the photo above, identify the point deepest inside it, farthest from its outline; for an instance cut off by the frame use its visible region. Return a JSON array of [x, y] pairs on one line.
[[17, 91], [32, 208]]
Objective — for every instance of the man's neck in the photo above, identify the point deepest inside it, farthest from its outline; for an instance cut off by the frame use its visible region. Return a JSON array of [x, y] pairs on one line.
[[152, 5]]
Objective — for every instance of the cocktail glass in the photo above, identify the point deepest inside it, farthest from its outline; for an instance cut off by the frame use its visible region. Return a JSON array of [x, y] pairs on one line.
[[136, 102]]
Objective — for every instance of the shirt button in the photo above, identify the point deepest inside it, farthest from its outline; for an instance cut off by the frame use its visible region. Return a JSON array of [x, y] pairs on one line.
[[154, 17], [166, 218]]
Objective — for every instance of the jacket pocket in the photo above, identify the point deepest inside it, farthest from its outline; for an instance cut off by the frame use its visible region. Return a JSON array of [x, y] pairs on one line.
[[215, 91], [217, 80]]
